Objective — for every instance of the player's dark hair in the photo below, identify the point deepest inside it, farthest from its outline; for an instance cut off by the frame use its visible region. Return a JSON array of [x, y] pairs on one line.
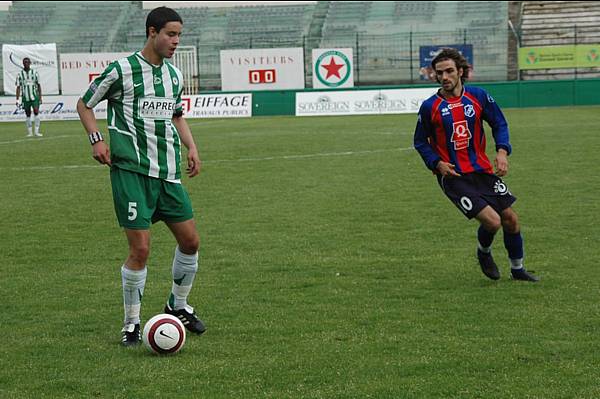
[[26, 58], [454, 55], [159, 17]]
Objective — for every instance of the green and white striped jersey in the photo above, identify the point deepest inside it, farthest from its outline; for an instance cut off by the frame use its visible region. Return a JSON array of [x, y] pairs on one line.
[[28, 81], [142, 99]]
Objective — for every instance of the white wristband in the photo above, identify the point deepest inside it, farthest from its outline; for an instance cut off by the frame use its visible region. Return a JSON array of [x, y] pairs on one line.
[[95, 137]]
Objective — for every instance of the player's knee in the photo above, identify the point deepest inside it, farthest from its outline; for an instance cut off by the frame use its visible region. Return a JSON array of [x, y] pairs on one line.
[[492, 223], [140, 253], [510, 222], [490, 220], [190, 245]]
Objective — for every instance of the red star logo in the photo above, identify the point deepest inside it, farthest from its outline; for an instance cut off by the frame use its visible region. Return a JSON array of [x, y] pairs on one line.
[[333, 69]]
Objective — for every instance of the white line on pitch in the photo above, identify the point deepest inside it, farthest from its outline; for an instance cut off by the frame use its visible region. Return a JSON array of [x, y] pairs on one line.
[[284, 157], [24, 168], [323, 154], [33, 139]]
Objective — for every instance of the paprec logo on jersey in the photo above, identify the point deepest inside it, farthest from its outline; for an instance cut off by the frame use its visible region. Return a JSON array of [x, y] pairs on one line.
[[156, 108], [333, 68]]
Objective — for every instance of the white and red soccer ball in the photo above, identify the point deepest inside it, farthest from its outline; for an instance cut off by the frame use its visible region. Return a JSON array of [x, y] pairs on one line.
[[164, 334]]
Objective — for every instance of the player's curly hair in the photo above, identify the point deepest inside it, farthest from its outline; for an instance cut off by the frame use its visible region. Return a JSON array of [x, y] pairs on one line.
[[454, 55], [159, 17]]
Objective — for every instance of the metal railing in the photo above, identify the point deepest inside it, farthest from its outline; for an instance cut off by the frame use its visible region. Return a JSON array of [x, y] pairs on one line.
[[389, 59]]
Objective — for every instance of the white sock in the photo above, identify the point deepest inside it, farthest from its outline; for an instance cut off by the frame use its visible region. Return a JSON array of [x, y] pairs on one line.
[[37, 124], [516, 263], [28, 124], [184, 271], [485, 250], [134, 282]]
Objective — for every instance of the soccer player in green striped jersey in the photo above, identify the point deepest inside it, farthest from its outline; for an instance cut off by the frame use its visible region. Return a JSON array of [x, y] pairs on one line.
[[29, 91], [147, 129]]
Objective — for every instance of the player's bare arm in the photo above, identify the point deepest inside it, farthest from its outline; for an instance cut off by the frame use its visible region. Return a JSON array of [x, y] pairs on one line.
[[100, 150], [39, 87], [193, 159], [501, 162]]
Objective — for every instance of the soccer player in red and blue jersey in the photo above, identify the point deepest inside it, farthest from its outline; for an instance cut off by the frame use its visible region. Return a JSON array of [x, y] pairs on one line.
[[450, 138]]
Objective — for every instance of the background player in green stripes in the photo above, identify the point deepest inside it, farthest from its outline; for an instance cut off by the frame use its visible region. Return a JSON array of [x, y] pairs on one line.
[[146, 125], [30, 92]]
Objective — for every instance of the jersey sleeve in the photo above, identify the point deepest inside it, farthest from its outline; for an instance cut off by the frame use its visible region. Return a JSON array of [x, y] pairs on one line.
[[178, 110], [179, 104], [495, 118], [423, 132], [37, 78], [18, 82], [100, 88]]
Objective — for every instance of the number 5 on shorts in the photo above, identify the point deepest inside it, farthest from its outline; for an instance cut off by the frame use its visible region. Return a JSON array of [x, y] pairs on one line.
[[132, 211]]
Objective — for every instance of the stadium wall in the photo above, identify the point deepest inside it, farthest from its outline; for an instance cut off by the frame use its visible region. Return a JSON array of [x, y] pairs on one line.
[[519, 94]]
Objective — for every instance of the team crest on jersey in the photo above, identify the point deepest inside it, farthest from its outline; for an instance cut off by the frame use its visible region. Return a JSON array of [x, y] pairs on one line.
[[157, 80], [445, 111], [469, 111], [460, 135], [175, 80], [490, 99]]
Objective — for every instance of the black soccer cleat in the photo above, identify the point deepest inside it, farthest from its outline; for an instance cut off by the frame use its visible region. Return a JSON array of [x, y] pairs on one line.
[[131, 335], [523, 275], [488, 266], [188, 317]]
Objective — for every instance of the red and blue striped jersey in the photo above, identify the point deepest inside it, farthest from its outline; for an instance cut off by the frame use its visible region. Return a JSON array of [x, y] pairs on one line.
[[451, 130]]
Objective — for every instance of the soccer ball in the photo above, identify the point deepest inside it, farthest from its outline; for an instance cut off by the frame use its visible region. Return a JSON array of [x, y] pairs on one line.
[[164, 334]]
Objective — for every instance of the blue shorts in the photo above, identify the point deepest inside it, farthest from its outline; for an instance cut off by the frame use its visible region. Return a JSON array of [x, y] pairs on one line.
[[474, 191]]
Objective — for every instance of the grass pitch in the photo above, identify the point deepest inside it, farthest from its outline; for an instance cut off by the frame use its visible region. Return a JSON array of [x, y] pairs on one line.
[[332, 266]]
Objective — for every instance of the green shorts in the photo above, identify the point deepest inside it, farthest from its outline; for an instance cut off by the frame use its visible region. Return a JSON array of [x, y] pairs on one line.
[[142, 200], [27, 105]]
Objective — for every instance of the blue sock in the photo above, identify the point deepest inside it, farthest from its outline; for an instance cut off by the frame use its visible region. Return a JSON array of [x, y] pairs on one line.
[[513, 242], [485, 239]]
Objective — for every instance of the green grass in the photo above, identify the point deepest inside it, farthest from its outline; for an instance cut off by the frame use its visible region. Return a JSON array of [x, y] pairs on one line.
[[332, 266]]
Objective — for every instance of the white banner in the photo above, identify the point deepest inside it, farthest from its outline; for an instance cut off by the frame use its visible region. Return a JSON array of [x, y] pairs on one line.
[[262, 69], [43, 60], [218, 106], [52, 108], [79, 69], [362, 102], [332, 68], [202, 106]]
